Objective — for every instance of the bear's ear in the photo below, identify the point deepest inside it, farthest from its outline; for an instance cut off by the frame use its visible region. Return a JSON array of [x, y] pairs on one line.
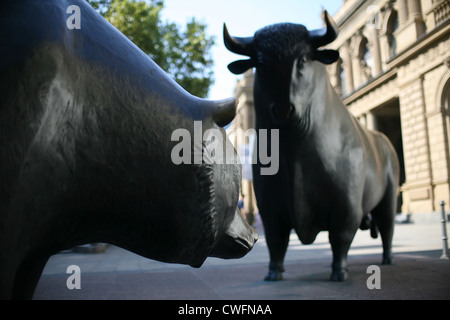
[[240, 66], [326, 56]]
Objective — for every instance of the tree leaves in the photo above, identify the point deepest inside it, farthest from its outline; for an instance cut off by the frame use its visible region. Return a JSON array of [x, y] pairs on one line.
[[184, 53]]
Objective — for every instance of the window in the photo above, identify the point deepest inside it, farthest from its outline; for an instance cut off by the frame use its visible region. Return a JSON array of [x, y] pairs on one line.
[[392, 28], [366, 61]]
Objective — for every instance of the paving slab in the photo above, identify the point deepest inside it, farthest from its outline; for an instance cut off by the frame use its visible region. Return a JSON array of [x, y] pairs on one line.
[[418, 273]]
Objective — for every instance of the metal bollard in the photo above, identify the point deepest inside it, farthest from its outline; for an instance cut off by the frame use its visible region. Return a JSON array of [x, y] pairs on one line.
[[444, 232]]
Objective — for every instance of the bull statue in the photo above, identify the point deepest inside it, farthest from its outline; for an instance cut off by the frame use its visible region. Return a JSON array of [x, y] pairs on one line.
[[87, 122], [334, 174]]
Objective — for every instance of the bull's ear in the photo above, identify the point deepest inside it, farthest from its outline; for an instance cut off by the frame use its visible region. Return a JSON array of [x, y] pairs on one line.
[[240, 66], [326, 56]]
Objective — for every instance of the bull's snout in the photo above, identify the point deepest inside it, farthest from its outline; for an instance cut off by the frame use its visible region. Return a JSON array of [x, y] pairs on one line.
[[237, 240]]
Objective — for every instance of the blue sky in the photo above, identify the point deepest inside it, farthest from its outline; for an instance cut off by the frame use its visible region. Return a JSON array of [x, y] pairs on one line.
[[243, 18]]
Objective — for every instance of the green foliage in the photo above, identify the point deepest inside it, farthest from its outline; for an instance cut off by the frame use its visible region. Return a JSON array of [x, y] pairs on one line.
[[189, 60], [100, 5], [183, 54]]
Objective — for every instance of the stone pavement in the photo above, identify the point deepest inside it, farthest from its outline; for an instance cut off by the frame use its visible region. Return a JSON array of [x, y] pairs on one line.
[[417, 273]]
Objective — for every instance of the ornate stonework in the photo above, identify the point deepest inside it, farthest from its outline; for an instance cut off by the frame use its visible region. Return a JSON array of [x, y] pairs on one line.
[[407, 95]]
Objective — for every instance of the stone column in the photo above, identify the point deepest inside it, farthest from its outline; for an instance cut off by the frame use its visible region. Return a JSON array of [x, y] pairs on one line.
[[375, 49], [402, 12], [418, 188], [363, 120], [371, 121], [414, 9], [356, 59], [347, 64], [415, 14], [411, 26]]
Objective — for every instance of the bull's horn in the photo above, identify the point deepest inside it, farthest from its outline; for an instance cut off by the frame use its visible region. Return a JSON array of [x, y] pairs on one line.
[[326, 35], [243, 46], [224, 111]]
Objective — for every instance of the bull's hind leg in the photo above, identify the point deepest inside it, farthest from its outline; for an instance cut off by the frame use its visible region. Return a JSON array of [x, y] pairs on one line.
[[384, 218]]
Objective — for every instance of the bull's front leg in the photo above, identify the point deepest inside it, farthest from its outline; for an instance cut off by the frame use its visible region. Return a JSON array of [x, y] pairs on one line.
[[340, 240], [277, 239]]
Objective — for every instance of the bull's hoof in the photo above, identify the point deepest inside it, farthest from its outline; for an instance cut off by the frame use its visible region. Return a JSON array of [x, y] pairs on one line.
[[273, 276], [339, 275]]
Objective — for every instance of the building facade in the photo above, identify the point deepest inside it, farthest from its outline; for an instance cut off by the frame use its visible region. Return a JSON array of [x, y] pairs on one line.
[[241, 133], [394, 76]]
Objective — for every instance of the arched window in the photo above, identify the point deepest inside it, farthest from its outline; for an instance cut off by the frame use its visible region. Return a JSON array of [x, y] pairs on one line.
[[392, 28], [366, 61], [445, 101]]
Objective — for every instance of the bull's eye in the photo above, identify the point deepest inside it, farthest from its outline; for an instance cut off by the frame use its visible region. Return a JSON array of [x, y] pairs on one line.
[[300, 62], [260, 60], [259, 63]]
